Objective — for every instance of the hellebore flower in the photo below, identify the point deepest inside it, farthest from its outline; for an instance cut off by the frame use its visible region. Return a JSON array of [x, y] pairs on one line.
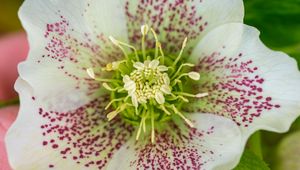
[[145, 85]]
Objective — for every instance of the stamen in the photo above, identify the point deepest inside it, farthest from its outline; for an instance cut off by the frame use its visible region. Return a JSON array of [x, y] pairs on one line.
[[165, 110], [179, 97], [189, 95], [114, 41], [112, 101], [108, 67], [184, 118], [200, 95], [194, 75], [108, 80], [114, 113], [91, 72], [162, 53], [114, 65], [184, 99], [144, 30], [139, 130], [119, 43], [152, 127], [181, 51], [144, 122], [180, 67], [107, 87], [157, 44]]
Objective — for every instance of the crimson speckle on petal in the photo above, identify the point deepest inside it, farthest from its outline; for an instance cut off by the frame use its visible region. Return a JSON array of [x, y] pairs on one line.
[[181, 17], [173, 152], [237, 93], [84, 135], [96, 92]]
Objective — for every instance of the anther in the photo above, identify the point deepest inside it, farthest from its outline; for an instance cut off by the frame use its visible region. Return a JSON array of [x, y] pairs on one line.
[[91, 73], [181, 51], [194, 75], [183, 117]]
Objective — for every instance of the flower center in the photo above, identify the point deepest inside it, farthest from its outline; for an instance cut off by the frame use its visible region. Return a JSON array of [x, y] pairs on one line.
[[147, 87], [147, 81]]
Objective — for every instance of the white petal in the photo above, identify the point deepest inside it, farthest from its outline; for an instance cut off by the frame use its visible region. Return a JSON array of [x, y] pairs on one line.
[[153, 64], [62, 47], [165, 89], [130, 86], [40, 139], [134, 100], [256, 87], [131, 92], [162, 68], [215, 143], [159, 97], [126, 79], [166, 78], [146, 63], [138, 65], [175, 20]]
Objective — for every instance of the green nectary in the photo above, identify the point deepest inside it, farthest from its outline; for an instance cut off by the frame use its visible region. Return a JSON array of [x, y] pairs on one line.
[[148, 87]]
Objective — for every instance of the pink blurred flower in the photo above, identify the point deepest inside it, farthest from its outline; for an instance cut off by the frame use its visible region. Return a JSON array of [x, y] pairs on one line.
[[7, 116], [13, 49]]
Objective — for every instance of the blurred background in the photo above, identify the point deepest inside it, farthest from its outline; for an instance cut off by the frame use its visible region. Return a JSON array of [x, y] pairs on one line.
[[279, 23], [9, 21]]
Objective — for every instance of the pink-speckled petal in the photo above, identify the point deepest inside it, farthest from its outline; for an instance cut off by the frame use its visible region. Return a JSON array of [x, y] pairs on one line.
[[78, 139], [214, 142], [256, 87], [174, 20], [62, 46]]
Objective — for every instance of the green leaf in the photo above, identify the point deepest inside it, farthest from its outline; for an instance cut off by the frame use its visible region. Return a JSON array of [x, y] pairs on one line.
[[279, 23], [288, 152], [9, 20], [250, 161]]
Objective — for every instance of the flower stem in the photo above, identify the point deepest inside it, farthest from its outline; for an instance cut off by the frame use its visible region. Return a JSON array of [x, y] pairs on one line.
[[9, 102], [254, 144]]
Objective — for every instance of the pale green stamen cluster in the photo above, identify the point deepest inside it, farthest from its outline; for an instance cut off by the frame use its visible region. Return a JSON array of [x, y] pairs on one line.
[[148, 81], [147, 87]]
